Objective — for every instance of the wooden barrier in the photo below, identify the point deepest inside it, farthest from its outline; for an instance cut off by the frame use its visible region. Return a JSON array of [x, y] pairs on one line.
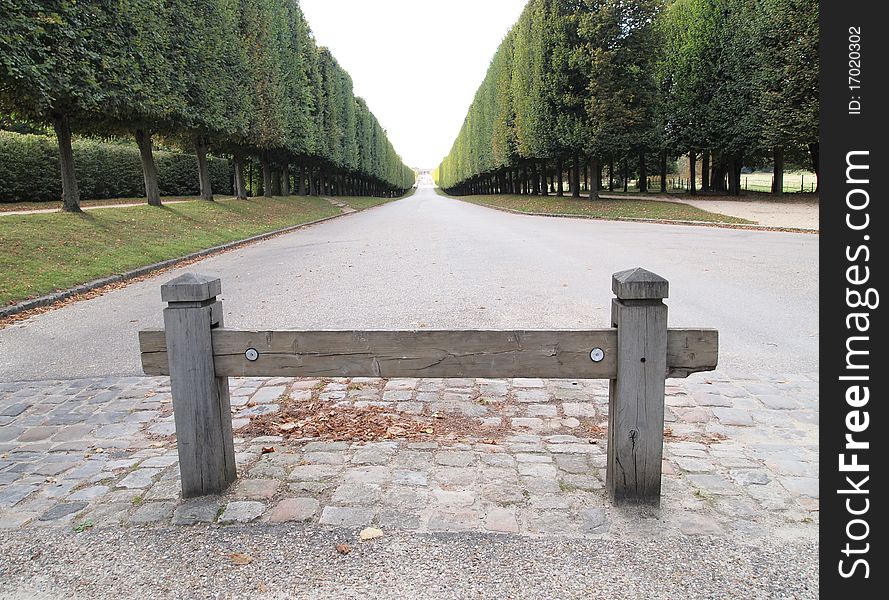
[[637, 354]]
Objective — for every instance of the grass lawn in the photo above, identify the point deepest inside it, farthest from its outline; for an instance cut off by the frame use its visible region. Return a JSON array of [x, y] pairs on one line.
[[602, 209], [46, 252], [794, 181]]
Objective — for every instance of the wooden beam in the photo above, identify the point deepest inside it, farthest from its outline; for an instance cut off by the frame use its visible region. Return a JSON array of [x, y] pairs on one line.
[[424, 353], [429, 353], [691, 351]]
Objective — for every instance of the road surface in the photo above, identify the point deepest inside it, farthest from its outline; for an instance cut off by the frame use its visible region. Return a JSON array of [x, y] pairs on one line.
[[432, 262]]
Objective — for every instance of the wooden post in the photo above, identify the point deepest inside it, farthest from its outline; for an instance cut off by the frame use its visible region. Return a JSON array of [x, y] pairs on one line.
[[201, 402], [636, 396]]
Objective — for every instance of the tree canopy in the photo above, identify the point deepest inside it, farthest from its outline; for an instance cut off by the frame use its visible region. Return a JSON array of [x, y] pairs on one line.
[[607, 79], [242, 77]]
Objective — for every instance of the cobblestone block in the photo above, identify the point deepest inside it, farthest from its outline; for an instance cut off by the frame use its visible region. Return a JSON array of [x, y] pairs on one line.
[[241, 512], [342, 516], [293, 510]]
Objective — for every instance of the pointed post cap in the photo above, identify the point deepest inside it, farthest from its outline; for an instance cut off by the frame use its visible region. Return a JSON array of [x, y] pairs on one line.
[[191, 287], [639, 284]]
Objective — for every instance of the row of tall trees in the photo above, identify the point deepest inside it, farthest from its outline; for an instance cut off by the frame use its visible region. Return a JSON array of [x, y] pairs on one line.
[[242, 78], [577, 84]]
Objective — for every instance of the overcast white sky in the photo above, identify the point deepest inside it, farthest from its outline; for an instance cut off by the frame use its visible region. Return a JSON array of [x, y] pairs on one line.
[[416, 62]]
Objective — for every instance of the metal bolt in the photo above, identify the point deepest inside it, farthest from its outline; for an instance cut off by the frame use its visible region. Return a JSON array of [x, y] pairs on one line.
[[597, 355], [252, 355]]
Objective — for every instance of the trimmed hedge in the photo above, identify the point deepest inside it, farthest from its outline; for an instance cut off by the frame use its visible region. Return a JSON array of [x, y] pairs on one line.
[[29, 170]]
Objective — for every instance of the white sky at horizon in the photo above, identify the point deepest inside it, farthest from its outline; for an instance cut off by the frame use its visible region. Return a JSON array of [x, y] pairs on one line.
[[417, 63]]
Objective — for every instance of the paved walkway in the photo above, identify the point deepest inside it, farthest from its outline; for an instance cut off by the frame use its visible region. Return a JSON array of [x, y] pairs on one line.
[[520, 457], [43, 211]]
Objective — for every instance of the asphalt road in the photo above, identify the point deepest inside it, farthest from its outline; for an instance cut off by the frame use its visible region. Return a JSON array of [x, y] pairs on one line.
[[431, 262]]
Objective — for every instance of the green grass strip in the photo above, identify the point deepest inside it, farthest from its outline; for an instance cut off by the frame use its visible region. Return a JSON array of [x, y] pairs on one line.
[[46, 252], [603, 209]]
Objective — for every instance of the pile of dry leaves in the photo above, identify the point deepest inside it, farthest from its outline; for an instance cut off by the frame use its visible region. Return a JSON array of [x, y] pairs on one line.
[[331, 422]]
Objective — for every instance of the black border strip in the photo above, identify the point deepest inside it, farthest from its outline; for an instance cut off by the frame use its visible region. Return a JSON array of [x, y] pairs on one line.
[[850, 266]]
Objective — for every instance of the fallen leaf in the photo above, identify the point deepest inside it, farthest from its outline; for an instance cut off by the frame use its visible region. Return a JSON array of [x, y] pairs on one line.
[[429, 430], [343, 548], [395, 430], [287, 426], [240, 559], [370, 533], [268, 450]]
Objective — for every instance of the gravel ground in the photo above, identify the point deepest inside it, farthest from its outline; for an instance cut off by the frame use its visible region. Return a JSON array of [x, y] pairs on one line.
[[299, 561]]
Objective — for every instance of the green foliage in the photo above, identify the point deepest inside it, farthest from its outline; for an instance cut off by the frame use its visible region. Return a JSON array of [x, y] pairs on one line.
[[246, 75], [789, 76], [29, 170], [612, 79]]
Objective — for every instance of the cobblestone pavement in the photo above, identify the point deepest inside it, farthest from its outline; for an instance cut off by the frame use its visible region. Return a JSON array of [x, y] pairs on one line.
[[740, 459]]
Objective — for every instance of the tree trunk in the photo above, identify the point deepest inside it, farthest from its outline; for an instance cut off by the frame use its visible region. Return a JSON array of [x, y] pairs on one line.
[[594, 187], [664, 172], [575, 178], [611, 175], [643, 174], [815, 157], [586, 177], [734, 176], [301, 180], [276, 182], [626, 175], [285, 180], [200, 146], [560, 184], [731, 177], [778, 170], [705, 171], [149, 171], [692, 172], [266, 177], [535, 180], [240, 183], [70, 193]]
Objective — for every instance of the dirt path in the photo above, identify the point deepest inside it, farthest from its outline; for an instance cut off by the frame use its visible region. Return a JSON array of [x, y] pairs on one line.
[[796, 215]]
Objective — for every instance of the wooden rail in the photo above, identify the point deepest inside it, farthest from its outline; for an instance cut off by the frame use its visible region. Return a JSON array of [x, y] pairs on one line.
[[637, 354], [429, 353]]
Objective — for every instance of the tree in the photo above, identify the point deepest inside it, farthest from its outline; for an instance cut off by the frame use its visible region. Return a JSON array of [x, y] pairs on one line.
[[789, 85], [50, 65]]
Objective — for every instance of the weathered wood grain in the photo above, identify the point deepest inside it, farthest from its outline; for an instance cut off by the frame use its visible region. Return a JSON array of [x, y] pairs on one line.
[[426, 353], [201, 403], [636, 396], [691, 351]]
